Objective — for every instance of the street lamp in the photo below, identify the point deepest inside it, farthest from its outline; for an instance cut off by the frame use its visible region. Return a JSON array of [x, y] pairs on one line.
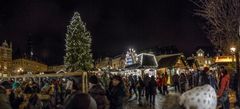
[[20, 70], [233, 49]]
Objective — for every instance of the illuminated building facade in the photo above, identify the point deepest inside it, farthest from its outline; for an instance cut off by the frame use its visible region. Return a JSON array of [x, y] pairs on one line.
[[56, 68], [5, 59], [203, 59], [23, 66]]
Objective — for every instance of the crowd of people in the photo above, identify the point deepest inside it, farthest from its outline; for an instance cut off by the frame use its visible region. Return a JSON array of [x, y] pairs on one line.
[[109, 91]]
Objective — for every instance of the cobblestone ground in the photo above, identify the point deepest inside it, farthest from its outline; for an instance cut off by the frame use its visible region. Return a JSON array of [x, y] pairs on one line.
[[134, 104]]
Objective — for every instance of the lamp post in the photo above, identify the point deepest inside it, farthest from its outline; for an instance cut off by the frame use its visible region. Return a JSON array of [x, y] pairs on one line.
[[233, 51], [20, 70]]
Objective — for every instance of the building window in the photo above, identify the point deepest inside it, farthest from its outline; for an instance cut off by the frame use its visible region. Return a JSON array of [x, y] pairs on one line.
[[209, 62], [5, 67], [206, 62]]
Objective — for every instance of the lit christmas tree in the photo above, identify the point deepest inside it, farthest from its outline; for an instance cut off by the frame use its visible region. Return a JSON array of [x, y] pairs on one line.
[[78, 46]]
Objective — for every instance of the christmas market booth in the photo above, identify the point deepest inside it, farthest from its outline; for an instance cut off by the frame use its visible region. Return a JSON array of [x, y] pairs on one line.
[[145, 64], [170, 64], [192, 63]]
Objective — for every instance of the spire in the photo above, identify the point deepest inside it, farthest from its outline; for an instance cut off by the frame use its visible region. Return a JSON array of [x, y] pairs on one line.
[[29, 49], [5, 44]]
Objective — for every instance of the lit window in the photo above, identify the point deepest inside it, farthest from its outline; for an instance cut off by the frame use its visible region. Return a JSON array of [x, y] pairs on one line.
[[200, 54], [209, 62], [206, 62]]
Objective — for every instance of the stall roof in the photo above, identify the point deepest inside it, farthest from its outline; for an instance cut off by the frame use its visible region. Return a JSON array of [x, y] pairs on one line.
[[146, 61], [170, 60], [191, 62]]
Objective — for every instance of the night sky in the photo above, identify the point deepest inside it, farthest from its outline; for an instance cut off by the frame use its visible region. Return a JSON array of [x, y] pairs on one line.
[[115, 25]]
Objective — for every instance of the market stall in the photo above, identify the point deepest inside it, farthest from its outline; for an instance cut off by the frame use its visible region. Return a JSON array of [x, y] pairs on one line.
[[171, 64], [146, 64]]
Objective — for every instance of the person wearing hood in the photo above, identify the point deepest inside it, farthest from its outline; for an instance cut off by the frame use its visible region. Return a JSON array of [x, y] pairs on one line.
[[97, 92], [4, 100], [223, 91]]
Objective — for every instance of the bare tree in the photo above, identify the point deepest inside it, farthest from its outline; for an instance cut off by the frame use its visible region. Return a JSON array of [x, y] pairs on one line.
[[222, 21]]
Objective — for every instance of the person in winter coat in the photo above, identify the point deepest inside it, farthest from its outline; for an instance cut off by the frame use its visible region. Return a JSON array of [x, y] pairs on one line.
[[4, 100], [165, 85], [224, 90], [78, 100], [212, 80], [196, 78], [69, 86], [116, 93], [190, 80], [152, 90], [176, 82], [133, 83], [98, 92], [140, 87], [204, 77], [16, 97], [146, 81], [234, 86], [182, 82], [160, 84], [34, 102]]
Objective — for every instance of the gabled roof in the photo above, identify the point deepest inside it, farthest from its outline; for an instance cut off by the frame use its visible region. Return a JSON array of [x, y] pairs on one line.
[[200, 51], [170, 60], [208, 50]]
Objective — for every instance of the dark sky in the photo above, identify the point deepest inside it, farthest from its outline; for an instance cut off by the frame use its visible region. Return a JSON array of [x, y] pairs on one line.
[[115, 25]]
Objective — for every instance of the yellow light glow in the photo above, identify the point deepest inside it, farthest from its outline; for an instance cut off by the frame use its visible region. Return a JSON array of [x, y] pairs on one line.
[[224, 59], [233, 49]]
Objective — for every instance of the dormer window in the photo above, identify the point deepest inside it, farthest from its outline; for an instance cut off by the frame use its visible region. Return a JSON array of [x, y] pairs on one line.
[[200, 54]]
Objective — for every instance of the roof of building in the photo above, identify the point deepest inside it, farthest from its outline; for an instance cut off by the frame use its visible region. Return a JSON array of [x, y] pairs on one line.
[[148, 61], [170, 60], [191, 62], [208, 50]]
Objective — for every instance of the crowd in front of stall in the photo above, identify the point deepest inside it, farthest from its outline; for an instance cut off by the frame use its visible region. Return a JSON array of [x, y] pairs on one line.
[[108, 91]]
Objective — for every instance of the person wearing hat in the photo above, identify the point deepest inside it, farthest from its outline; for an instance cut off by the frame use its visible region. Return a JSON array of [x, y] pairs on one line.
[[116, 93], [98, 92]]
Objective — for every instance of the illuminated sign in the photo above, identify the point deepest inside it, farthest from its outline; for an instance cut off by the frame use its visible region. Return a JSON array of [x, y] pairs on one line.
[[221, 59]]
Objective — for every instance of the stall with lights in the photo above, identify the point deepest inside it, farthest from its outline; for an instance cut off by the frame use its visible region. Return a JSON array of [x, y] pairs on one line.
[[171, 64], [144, 63]]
